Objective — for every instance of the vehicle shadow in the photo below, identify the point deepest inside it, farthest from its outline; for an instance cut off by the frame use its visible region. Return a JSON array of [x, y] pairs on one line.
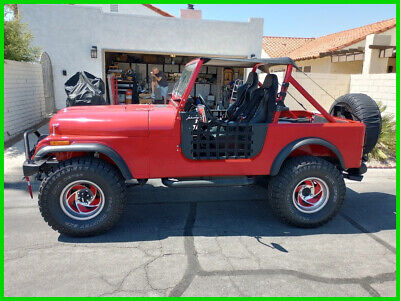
[[156, 213]]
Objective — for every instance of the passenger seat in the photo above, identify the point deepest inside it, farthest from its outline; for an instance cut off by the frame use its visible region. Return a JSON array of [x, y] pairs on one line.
[[244, 94], [263, 102]]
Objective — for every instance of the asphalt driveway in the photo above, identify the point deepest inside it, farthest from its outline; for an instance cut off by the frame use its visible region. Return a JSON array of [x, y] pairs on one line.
[[203, 242]]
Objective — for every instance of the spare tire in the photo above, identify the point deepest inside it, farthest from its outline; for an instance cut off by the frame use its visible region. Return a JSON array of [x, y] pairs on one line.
[[360, 107]]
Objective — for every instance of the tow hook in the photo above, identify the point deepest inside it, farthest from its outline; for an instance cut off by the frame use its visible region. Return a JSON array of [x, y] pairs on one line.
[[29, 187]]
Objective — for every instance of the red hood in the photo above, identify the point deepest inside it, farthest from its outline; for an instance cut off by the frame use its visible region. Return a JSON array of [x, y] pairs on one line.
[[131, 121]]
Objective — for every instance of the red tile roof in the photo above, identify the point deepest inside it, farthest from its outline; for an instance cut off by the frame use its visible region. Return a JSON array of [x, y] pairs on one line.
[[281, 46], [159, 11], [339, 40]]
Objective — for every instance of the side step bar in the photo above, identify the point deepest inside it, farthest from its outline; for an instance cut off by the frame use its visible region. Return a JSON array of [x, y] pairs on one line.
[[356, 174], [353, 177], [208, 182]]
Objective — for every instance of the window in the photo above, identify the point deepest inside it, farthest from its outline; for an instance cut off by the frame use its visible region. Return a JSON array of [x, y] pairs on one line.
[[114, 8], [390, 69], [307, 69]]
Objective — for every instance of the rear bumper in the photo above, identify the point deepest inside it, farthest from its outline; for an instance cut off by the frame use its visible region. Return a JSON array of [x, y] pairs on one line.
[[356, 174]]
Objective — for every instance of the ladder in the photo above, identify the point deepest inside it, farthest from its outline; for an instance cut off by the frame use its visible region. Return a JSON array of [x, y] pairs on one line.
[[236, 85]]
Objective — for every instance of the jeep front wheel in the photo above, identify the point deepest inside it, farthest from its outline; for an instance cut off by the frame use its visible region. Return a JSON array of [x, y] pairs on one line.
[[307, 192], [82, 197]]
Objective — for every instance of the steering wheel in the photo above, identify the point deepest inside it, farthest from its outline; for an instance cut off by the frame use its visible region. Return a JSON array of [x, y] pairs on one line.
[[207, 109]]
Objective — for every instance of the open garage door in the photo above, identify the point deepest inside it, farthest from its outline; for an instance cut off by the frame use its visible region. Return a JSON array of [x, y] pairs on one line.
[[129, 72]]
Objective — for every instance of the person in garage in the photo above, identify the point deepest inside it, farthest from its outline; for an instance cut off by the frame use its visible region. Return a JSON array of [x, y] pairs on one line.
[[159, 82]]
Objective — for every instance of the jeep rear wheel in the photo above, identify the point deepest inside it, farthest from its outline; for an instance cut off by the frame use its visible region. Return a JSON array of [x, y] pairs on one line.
[[307, 192], [82, 197]]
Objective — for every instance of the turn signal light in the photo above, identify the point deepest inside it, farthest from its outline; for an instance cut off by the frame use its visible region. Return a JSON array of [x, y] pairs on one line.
[[63, 142]]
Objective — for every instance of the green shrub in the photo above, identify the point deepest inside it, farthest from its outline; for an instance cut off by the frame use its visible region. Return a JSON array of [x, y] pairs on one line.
[[386, 146], [17, 41]]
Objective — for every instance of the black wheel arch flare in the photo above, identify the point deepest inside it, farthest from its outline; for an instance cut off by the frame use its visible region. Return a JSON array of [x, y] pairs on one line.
[[88, 147], [286, 151]]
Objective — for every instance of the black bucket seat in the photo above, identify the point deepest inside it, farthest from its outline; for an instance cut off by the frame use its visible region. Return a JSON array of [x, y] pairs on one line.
[[243, 97], [262, 103]]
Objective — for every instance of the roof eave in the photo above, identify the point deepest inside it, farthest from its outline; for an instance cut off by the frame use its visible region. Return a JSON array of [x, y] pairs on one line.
[[346, 44]]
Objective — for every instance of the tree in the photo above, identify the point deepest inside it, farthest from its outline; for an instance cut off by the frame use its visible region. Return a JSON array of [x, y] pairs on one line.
[[10, 10], [17, 38]]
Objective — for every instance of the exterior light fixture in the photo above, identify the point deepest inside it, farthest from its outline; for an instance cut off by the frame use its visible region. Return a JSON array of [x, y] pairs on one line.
[[172, 57], [93, 52]]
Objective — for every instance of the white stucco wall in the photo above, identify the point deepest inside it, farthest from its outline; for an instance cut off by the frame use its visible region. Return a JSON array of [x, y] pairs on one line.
[[264, 54], [324, 65], [24, 104], [381, 87], [134, 9], [335, 84], [67, 32]]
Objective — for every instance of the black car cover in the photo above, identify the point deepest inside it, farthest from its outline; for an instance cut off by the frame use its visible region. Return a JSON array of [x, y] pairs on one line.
[[84, 89]]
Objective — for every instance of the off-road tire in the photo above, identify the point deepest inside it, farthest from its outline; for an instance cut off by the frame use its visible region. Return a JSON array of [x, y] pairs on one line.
[[282, 186], [361, 107], [106, 176]]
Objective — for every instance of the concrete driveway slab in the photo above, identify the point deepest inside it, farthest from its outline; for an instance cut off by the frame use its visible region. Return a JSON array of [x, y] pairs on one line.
[[203, 242]]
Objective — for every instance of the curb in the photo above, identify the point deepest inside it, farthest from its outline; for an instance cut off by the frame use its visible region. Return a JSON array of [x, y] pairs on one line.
[[381, 167]]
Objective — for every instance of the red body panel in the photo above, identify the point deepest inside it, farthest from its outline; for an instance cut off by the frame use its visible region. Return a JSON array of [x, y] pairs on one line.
[[124, 121], [157, 154], [168, 161], [148, 138]]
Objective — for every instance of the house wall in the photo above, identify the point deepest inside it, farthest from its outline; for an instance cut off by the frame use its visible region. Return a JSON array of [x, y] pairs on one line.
[[381, 87], [350, 67], [320, 65], [392, 62], [133, 9], [24, 102], [324, 65], [67, 32], [264, 54], [335, 84]]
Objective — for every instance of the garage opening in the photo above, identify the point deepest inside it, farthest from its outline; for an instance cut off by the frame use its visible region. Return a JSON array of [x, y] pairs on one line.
[[128, 79]]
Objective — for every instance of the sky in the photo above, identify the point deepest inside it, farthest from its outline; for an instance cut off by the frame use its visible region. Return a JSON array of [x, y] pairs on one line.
[[295, 20]]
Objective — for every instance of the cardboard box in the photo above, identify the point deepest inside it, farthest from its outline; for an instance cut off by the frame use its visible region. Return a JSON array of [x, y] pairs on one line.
[[145, 101], [144, 98]]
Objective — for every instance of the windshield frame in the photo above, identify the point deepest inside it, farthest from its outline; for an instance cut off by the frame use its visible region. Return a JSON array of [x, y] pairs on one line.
[[190, 83]]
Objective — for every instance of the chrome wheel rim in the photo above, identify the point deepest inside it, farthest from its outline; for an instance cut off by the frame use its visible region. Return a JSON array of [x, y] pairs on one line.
[[82, 200], [310, 195]]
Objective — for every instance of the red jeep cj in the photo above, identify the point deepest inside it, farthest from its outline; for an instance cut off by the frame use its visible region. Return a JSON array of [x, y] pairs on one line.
[[93, 153]]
